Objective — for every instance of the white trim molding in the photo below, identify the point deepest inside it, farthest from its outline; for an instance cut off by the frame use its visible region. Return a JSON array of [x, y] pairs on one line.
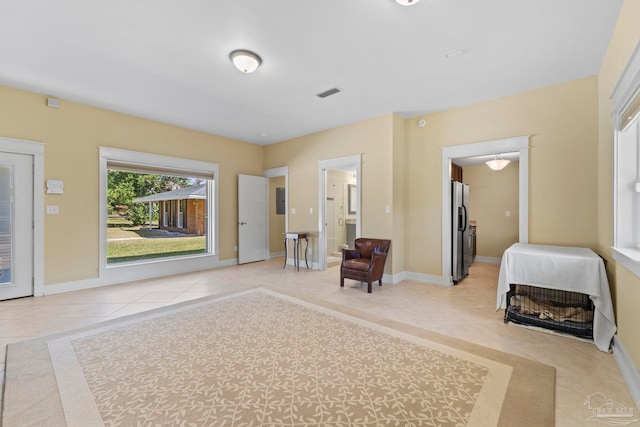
[[628, 369], [126, 272], [342, 163], [507, 145], [418, 277], [160, 269], [628, 257], [626, 150]]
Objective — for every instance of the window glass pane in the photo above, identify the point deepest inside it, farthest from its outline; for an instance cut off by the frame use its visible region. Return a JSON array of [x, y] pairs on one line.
[[6, 173], [146, 215]]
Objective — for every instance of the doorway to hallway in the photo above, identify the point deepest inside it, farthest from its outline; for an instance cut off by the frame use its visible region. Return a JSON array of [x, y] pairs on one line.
[[340, 220], [340, 213]]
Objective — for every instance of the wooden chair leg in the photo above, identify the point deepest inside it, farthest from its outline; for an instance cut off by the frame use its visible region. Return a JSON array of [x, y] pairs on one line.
[[380, 281], [369, 288], [342, 282]]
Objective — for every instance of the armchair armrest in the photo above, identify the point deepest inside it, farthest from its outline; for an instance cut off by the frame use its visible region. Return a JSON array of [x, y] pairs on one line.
[[378, 260]]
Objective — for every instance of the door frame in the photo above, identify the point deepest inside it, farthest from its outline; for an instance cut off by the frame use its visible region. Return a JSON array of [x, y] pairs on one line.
[[341, 163], [506, 145], [36, 151]]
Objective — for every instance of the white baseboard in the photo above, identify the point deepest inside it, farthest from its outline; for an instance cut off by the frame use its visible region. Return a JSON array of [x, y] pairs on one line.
[[276, 254], [418, 277], [312, 265], [487, 260], [161, 269], [629, 371]]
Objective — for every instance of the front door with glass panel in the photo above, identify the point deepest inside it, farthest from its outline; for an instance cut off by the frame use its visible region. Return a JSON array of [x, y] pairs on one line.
[[16, 225]]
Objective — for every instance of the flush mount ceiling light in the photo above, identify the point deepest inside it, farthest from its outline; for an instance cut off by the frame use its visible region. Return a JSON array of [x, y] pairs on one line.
[[245, 60], [407, 2], [455, 53], [497, 163]]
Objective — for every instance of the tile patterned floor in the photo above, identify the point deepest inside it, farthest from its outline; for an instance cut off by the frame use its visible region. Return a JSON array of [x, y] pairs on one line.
[[466, 311]]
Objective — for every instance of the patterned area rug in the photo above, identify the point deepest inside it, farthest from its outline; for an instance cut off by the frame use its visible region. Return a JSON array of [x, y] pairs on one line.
[[265, 359]]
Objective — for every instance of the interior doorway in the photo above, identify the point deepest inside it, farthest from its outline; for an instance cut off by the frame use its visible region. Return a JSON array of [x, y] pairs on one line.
[[517, 144], [340, 220], [278, 208], [339, 215]]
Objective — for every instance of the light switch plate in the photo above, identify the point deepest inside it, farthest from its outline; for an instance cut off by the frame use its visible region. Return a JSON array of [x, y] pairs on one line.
[[54, 186], [53, 210]]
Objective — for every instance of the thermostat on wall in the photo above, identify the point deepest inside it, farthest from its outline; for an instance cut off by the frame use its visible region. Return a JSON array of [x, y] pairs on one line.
[[54, 186]]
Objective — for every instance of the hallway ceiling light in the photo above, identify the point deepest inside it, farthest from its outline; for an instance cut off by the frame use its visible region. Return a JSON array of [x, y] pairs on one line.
[[245, 60], [497, 163], [407, 2]]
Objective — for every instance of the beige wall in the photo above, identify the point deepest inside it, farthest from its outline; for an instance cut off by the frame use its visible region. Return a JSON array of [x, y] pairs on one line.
[[400, 176], [625, 285], [72, 135], [276, 222], [372, 139], [491, 195], [562, 122]]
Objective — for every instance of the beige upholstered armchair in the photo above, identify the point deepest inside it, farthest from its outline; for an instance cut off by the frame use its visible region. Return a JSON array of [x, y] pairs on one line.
[[366, 262]]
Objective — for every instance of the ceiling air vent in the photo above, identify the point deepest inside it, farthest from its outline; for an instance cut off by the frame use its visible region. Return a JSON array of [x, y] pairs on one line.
[[328, 92]]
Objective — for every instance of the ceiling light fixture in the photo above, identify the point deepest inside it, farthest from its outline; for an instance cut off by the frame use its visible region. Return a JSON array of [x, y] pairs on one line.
[[245, 60], [455, 53], [498, 163], [407, 2]]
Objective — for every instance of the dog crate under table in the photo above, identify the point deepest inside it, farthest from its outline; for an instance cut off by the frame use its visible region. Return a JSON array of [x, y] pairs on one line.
[[562, 311], [559, 268]]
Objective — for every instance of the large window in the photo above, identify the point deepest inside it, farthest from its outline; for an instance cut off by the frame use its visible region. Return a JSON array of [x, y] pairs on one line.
[[626, 115], [134, 201], [156, 209]]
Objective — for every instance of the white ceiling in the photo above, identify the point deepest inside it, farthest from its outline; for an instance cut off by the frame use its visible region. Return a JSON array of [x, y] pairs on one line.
[[168, 60], [479, 160]]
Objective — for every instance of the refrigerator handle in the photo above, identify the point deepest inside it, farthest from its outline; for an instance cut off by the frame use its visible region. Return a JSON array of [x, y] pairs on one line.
[[466, 220]]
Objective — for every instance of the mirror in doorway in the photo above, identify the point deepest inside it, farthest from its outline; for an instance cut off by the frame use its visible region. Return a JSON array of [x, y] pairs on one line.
[[353, 195]]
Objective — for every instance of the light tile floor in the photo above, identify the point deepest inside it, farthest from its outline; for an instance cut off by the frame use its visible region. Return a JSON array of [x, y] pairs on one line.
[[466, 311]]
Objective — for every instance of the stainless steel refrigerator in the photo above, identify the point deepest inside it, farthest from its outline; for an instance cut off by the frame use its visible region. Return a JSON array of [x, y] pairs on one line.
[[461, 235]]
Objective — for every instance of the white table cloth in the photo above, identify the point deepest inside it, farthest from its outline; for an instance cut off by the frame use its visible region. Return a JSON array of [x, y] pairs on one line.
[[565, 268]]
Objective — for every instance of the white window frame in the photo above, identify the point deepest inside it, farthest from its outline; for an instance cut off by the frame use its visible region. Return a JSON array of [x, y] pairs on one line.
[[626, 168], [124, 272]]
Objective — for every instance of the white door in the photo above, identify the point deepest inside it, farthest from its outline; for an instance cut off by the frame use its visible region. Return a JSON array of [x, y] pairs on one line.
[[16, 225], [252, 218]]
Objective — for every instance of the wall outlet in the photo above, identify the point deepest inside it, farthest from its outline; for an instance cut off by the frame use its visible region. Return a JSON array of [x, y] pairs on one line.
[[507, 213], [293, 211], [53, 210], [235, 249], [310, 211]]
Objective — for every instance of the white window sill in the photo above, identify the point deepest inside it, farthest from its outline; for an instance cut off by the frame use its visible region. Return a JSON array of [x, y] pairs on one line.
[[629, 258]]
